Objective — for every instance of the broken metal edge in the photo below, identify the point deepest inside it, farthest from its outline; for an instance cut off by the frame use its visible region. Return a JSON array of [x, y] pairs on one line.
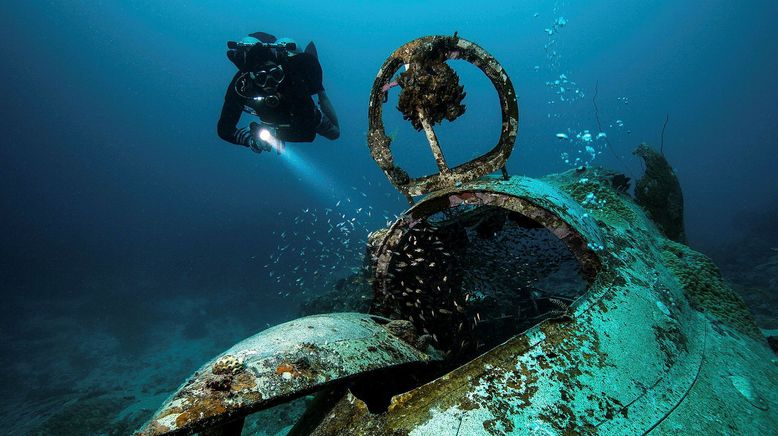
[[279, 364], [379, 143]]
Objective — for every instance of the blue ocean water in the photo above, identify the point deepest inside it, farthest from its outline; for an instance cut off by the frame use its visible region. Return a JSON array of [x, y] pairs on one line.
[[128, 223]]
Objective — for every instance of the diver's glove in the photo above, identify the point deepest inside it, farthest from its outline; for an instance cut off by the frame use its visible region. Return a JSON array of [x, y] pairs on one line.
[[242, 136], [249, 137]]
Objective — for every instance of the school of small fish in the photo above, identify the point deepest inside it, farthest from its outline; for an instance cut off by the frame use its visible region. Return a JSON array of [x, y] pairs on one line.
[[465, 277], [468, 283], [321, 245]]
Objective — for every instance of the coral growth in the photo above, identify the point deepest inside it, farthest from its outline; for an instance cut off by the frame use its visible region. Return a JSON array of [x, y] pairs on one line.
[[431, 87], [227, 365]]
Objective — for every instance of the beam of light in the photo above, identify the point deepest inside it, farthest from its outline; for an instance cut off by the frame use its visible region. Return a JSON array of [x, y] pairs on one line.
[[304, 170]]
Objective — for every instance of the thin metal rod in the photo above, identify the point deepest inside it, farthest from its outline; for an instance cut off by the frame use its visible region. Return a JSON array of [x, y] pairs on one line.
[[432, 138]]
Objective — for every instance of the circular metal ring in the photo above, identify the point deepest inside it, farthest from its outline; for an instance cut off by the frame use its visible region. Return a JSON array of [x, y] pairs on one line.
[[379, 142]]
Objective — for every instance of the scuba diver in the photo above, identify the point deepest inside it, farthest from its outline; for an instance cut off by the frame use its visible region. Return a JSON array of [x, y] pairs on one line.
[[275, 81]]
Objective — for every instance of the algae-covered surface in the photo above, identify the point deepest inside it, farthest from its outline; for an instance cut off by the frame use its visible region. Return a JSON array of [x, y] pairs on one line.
[[655, 328]]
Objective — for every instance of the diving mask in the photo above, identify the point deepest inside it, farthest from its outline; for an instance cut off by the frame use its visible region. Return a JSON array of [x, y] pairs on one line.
[[269, 77]]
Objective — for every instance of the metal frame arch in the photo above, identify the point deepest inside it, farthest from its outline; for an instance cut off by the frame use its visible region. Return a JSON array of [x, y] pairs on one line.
[[379, 142]]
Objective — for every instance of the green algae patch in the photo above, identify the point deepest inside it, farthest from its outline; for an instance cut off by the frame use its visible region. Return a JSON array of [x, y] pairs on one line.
[[706, 290], [606, 202]]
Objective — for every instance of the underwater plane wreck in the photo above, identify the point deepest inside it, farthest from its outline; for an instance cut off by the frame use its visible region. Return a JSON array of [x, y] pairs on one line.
[[505, 305]]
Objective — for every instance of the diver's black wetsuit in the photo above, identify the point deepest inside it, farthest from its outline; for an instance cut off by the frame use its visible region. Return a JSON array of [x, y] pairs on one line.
[[303, 78]]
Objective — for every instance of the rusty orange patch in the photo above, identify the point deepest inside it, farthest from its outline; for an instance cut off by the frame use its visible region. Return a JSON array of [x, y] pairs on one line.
[[287, 367], [204, 408]]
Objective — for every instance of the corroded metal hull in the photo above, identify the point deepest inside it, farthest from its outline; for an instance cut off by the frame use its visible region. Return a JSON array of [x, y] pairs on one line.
[[280, 364], [659, 341]]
